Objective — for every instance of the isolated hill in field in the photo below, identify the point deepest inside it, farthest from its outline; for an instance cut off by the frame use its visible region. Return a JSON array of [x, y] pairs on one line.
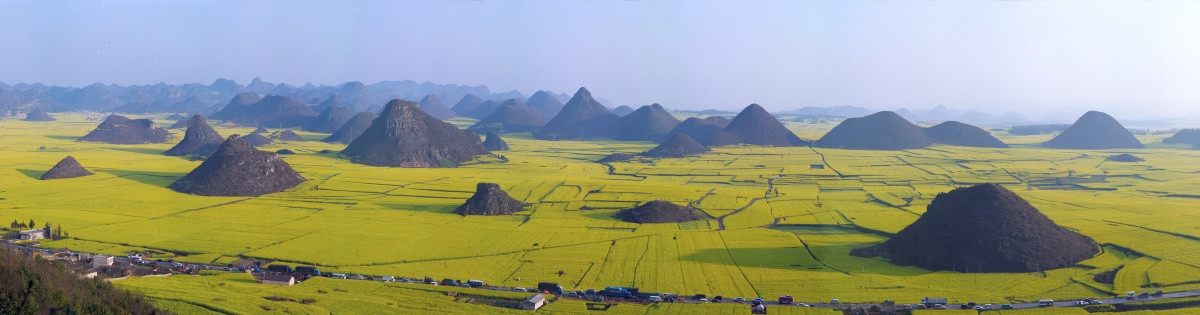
[[467, 104], [352, 128], [960, 134], [39, 115], [261, 129], [544, 103], [330, 102], [178, 117], [191, 105], [237, 169], [1184, 136], [1094, 131], [288, 136], [273, 110], [616, 157], [658, 211], [754, 125], [680, 145], [187, 121], [581, 117], [622, 110], [68, 167], [651, 122], [512, 116], [433, 106], [117, 129], [284, 152], [984, 228], [489, 199], [1125, 157], [199, 139], [406, 136], [493, 142], [700, 129], [330, 119], [879, 131], [257, 139]]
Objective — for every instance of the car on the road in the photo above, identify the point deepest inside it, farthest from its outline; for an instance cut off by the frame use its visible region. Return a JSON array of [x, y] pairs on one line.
[[739, 300], [978, 307], [718, 299], [1006, 306], [988, 307], [703, 300], [758, 301], [1081, 303], [802, 305], [939, 307], [654, 298], [1156, 293], [1144, 295]]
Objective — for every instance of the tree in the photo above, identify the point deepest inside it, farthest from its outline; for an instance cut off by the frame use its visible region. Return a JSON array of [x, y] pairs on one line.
[[31, 225], [14, 225]]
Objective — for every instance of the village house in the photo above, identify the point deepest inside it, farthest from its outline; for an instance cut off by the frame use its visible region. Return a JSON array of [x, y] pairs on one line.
[[277, 279], [102, 261], [533, 303], [35, 234]]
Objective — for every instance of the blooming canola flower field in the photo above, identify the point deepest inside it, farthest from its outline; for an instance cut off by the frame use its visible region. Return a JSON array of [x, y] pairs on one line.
[[777, 221]]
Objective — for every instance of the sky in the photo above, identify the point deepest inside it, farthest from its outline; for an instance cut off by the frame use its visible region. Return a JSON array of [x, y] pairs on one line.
[[1132, 58]]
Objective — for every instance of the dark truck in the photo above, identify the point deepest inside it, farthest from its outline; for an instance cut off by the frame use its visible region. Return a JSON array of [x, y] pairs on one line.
[[308, 271], [550, 287], [279, 268]]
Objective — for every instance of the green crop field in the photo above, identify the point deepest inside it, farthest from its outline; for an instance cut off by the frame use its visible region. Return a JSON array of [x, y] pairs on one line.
[[775, 225]]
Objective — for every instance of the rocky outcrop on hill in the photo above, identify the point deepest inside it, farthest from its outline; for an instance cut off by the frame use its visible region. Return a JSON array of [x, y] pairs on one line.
[[273, 110], [984, 228], [1184, 136], [616, 157], [658, 211], [188, 121], [467, 104], [237, 169], [754, 125], [199, 140], [39, 115], [330, 119], [433, 106], [68, 167], [544, 103], [581, 117], [963, 135], [493, 142], [512, 116], [117, 129], [288, 136], [622, 110], [256, 139], [406, 136], [489, 199], [1094, 131], [879, 131], [700, 129], [650, 123], [1125, 157], [352, 128], [680, 145]]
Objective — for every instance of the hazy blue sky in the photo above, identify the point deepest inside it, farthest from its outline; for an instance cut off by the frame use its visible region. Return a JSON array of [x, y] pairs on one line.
[[1132, 58]]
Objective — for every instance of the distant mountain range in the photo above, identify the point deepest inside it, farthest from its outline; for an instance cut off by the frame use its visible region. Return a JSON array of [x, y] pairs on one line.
[[196, 98]]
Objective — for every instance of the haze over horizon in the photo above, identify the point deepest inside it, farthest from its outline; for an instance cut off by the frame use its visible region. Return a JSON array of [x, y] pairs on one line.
[[1134, 60]]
